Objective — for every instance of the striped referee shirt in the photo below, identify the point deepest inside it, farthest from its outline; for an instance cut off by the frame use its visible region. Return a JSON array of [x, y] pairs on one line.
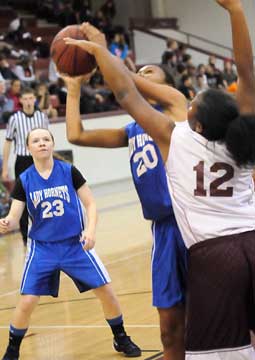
[[20, 124]]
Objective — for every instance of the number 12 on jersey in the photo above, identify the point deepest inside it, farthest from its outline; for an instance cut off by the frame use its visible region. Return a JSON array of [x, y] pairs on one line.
[[214, 186]]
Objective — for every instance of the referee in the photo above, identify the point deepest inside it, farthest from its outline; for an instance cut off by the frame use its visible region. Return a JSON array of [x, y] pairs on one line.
[[18, 127]]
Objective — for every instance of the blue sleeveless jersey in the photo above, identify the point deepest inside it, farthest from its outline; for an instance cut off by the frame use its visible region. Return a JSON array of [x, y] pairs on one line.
[[53, 204], [148, 172]]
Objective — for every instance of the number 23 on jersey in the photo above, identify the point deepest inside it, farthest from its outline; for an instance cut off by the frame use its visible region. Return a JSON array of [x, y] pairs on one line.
[[56, 208]]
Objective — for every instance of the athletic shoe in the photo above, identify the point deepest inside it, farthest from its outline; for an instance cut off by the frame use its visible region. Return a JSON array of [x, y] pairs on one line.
[[9, 355], [125, 345]]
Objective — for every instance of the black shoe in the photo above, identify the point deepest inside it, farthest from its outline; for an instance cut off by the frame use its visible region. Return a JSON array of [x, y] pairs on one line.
[[125, 344], [9, 355]]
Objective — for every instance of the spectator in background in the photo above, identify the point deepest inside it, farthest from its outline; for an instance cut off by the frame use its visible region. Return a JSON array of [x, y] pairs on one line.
[[119, 48], [5, 47], [53, 74], [172, 45], [82, 11], [181, 71], [169, 56], [15, 30], [201, 71], [14, 94], [214, 77], [41, 48], [96, 97], [25, 71], [181, 52], [5, 70], [43, 101], [187, 59], [109, 10], [187, 88], [215, 72], [66, 14], [101, 22], [59, 89], [191, 70], [6, 105], [212, 61], [200, 84], [48, 9], [229, 75], [169, 59]]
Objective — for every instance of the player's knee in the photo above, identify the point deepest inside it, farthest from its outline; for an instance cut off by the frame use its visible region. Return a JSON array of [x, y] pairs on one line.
[[105, 293], [172, 335], [27, 304]]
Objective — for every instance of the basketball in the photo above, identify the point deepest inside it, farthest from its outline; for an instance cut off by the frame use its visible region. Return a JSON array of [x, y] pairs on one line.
[[70, 59]]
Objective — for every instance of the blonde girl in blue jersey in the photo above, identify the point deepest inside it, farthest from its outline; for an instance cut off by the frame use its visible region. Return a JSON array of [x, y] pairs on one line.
[[52, 191]]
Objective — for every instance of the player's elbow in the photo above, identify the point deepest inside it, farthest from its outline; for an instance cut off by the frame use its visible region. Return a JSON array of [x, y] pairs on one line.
[[73, 138]]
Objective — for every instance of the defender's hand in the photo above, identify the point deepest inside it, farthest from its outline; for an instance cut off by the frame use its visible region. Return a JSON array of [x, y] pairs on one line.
[[93, 34], [86, 45]]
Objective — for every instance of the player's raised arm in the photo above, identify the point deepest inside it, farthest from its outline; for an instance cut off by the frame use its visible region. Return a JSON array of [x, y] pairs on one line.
[[163, 94], [243, 55], [156, 124], [76, 134]]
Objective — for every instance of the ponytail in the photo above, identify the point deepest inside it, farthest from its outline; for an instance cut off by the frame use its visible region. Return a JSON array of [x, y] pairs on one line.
[[240, 140]]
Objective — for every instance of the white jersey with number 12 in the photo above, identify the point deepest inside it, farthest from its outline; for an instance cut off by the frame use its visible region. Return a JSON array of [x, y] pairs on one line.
[[211, 196]]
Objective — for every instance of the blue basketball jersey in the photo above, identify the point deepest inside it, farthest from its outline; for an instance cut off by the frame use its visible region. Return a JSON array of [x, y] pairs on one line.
[[148, 172], [53, 204]]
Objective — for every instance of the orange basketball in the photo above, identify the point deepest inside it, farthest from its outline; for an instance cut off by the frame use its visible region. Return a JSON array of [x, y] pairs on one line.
[[70, 59]]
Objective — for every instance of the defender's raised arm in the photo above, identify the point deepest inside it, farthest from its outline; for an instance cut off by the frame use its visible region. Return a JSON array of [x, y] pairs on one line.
[[243, 55]]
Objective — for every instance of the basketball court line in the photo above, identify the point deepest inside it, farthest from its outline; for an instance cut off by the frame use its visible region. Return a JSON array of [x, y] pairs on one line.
[[9, 293], [155, 357], [55, 327], [78, 300]]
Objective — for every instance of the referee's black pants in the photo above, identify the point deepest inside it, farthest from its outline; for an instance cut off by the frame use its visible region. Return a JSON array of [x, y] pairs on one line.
[[21, 164]]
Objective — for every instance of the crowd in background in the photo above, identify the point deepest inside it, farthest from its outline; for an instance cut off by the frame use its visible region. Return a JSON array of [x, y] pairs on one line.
[[19, 50], [191, 78]]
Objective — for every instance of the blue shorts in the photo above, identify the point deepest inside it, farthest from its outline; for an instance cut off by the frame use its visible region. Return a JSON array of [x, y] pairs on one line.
[[45, 260], [168, 263]]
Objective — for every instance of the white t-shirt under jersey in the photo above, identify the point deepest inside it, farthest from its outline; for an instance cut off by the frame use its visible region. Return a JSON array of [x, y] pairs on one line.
[[211, 196]]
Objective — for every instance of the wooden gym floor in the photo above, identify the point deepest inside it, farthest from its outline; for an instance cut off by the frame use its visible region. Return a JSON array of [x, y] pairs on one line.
[[72, 327]]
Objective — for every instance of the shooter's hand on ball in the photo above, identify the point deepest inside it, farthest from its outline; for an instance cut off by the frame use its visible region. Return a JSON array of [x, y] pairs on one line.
[[76, 81]]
